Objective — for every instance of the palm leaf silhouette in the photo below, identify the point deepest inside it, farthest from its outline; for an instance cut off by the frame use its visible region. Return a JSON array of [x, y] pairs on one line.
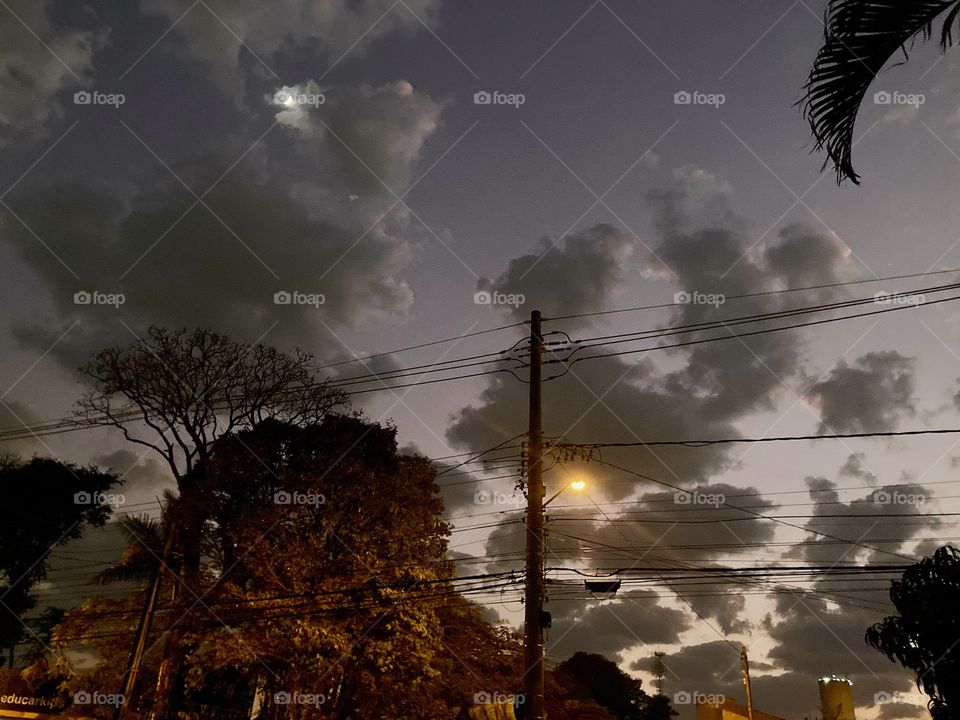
[[140, 558], [859, 39]]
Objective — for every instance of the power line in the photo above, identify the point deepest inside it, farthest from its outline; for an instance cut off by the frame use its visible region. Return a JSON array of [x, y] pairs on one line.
[[766, 293]]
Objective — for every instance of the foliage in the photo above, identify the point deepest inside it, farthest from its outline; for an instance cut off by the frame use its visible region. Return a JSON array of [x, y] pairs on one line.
[[925, 636], [587, 675], [46, 504], [861, 37]]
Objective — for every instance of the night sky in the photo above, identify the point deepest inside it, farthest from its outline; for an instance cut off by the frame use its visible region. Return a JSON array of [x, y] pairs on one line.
[[205, 175]]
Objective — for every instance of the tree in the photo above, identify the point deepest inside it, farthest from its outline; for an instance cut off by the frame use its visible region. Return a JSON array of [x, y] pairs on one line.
[[191, 387], [594, 677], [46, 503], [925, 636], [330, 552], [178, 391], [861, 37]]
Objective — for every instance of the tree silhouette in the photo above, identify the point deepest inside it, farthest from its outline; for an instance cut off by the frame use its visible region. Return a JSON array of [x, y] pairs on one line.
[[861, 37], [925, 636], [46, 503], [592, 676], [177, 391]]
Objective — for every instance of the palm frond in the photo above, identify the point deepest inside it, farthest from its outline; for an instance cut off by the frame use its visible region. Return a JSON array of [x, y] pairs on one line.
[[144, 544], [860, 38]]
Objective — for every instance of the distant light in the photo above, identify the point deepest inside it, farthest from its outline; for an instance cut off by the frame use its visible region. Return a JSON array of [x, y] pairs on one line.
[[578, 484]]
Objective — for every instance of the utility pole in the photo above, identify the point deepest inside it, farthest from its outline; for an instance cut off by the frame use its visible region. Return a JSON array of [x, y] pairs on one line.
[[533, 615], [745, 670], [129, 679]]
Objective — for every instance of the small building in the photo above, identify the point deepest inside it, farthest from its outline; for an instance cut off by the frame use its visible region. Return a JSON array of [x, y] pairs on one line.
[[729, 710]]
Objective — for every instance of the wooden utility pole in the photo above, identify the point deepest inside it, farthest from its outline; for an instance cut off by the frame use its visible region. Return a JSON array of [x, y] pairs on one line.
[[533, 616], [745, 670], [143, 630]]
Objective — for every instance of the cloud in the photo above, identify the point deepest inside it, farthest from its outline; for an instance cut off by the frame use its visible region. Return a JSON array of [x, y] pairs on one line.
[[134, 468], [39, 60], [15, 414], [579, 274], [610, 628], [235, 38], [872, 395], [268, 225]]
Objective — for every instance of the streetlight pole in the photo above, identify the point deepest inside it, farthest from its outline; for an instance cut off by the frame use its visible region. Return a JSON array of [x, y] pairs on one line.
[[533, 615]]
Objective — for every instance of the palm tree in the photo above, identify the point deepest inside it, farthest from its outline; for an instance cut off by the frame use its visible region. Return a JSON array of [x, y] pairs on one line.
[[145, 536], [861, 37]]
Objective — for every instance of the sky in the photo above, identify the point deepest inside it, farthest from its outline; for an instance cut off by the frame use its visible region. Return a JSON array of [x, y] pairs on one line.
[[183, 162]]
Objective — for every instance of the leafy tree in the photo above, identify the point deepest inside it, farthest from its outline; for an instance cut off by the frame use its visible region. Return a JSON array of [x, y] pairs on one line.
[[587, 675], [46, 504], [177, 392], [860, 39], [925, 636]]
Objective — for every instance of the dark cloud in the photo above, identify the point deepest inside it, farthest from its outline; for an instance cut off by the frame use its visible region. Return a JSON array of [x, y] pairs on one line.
[[610, 628], [135, 469], [855, 467], [580, 273], [38, 64], [267, 226], [873, 394], [15, 414], [221, 35]]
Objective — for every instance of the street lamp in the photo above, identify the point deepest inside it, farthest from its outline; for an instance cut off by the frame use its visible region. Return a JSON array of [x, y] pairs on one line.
[[577, 484]]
